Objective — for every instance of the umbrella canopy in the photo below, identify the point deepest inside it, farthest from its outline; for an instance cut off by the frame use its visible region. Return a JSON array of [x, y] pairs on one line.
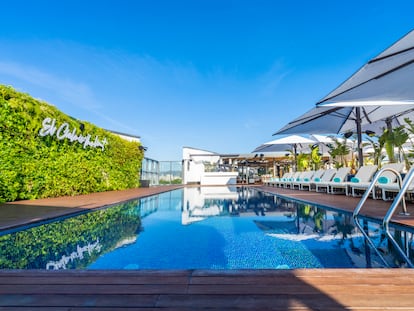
[[285, 143], [291, 140], [272, 148], [385, 79], [378, 95], [381, 90], [335, 120]]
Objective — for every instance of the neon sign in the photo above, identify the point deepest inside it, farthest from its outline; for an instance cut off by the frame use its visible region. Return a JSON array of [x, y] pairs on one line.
[[63, 132]]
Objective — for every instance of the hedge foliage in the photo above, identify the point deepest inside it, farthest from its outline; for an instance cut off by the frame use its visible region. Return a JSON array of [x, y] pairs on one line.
[[32, 166]]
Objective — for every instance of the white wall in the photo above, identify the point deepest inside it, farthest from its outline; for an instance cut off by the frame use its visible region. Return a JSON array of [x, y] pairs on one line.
[[193, 167], [219, 178]]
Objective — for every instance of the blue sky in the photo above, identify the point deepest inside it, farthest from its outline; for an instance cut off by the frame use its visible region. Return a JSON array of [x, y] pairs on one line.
[[218, 75]]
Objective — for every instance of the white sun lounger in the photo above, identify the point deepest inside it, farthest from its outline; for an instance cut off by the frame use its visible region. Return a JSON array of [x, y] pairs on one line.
[[285, 178], [389, 186], [387, 177], [339, 177], [361, 180], [321, 185], [305, 176], [288, 182], [307, 183]]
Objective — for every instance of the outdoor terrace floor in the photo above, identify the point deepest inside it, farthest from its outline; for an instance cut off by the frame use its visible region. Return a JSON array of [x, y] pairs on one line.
[[373, 208], [303, 289]]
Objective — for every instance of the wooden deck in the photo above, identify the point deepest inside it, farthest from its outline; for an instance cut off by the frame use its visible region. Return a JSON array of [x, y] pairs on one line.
[[336, 290], [303, 289], [373, 208]]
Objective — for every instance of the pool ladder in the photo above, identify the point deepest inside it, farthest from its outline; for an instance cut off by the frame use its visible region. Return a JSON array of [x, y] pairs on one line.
[[398, 201]]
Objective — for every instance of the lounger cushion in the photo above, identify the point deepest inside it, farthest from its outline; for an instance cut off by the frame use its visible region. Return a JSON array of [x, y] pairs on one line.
[[355, 179], [317, 179], [384, 180], [337, 179]]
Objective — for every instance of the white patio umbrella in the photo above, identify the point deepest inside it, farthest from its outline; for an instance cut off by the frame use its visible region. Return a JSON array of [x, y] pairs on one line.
[[325, 141], [380, 94], [285, 143], [332, 120]]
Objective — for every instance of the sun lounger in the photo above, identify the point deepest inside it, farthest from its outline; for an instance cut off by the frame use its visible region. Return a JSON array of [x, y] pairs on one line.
[[321, 185], [389, 186], [361, 180], [288, 182], [269, 181], [307, 183], [387, 177], [305, 176], [339, 178], [339, 183], [280, 181]]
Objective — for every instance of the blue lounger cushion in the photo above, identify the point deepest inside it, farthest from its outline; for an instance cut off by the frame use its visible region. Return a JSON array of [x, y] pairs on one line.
[[337, 179], [355, 179], [384, 180]]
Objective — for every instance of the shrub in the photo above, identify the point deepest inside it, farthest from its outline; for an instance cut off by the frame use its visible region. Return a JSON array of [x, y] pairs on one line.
[[32, 166]]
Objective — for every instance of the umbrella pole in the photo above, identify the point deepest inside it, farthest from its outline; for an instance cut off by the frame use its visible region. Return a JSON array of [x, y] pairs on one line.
[[295, 164], [359, 136]]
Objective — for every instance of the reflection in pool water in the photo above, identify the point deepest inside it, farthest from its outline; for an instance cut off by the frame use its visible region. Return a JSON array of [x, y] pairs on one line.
[[200, 228]]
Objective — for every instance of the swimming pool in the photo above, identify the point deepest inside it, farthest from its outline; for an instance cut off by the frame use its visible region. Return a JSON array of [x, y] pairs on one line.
[[199, 228]]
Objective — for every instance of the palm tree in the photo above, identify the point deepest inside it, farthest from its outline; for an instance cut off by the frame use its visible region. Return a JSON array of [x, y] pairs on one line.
[[302, 161], [377, 146], [339, 152], [394, 138], [315, 157]]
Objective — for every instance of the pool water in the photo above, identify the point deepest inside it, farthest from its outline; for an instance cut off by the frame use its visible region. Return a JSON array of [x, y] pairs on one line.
[[199, 228]]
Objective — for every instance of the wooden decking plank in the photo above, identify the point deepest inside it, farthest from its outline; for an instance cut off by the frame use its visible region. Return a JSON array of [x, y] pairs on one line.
[[304, 289], [288, 302], [122, 289], [95, 273], [250, 302], [102, 308], [249, 276], [93, 280], [78, 300], [375, 300], [333, 272], [344, 280]]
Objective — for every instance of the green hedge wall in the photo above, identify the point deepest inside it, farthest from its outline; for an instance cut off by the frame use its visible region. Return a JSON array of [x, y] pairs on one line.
[[32, 166]]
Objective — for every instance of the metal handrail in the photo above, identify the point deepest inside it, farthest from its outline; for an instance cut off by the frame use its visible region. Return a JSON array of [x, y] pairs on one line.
[[372, 186], [400, 199]]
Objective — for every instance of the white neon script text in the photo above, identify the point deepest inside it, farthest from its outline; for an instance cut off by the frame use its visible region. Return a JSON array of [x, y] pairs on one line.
[[50, 128]]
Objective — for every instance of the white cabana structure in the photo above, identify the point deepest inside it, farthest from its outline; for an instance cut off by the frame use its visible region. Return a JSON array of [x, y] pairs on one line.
[[199, 167]]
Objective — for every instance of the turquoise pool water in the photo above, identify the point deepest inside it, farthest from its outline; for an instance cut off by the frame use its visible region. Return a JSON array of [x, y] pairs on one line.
[[198, 228]]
